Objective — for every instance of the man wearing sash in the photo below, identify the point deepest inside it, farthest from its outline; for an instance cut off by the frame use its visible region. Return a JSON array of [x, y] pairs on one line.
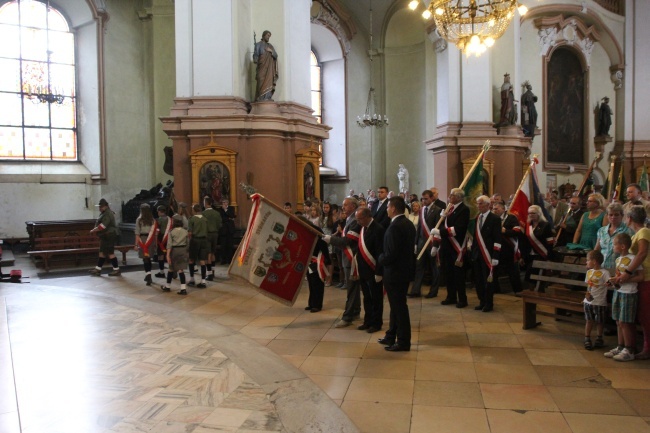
[[452, 236], [486, 248], [510, 255], [348, 241], [371, 245], [429, 216]]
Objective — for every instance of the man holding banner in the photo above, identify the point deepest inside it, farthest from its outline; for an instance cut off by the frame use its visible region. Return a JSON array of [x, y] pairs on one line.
[[486, 248]]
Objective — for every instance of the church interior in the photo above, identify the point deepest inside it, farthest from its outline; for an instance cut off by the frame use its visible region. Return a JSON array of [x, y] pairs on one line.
[[149, 100]]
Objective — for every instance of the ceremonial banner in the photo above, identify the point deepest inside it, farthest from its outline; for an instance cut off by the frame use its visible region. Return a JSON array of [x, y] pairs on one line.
[[473, 189], [527, 195], [275, 252]]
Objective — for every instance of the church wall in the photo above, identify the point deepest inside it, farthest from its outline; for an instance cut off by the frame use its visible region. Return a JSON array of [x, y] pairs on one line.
[[430, 86], [640, 74]]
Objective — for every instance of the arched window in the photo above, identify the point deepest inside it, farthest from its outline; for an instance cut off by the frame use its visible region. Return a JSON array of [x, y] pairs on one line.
[[37, 83], [316, 88]]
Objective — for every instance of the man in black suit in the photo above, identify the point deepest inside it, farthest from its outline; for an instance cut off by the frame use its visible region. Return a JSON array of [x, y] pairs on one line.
[[486, 248], [227, 231], [509, 257], [436, 200], [397, 261], [371, 245], [379, 207], [452, 236], [348, 241], [570, 225], [429, 216]]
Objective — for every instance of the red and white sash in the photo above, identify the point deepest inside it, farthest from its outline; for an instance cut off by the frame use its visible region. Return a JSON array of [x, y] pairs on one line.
[[153, 233], [365, 253], [323, 273], [452, 234], [537, 245], [354, 236]]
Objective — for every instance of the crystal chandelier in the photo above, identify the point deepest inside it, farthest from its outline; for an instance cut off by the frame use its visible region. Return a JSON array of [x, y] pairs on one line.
[[373, 119], [472, 25]]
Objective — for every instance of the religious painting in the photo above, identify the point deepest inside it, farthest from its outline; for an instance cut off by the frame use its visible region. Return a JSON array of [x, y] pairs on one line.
[[214, 181], [309, 182], [565, 109]]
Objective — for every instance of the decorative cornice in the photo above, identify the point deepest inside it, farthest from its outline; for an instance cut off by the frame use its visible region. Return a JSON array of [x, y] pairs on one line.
[[331, 14], [555, 31]]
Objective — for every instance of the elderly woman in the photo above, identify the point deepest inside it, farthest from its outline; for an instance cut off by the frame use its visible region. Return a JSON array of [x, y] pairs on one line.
[[640, 245], [414, 216], [539, 237], [605, 236], [595, 218]]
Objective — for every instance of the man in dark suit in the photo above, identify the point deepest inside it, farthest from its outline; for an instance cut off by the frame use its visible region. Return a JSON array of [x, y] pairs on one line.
[[227, 231], [452, 236], [398, 268], [486, 247], [436, 200], [510, 255], [570, 225], [371, 245], [429, 216], [379, 207], [348, 241]]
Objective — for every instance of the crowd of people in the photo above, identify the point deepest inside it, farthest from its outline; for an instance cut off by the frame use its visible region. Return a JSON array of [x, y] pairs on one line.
[[499, 246]]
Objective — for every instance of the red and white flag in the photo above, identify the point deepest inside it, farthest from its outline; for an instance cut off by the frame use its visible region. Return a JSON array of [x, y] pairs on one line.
[[522, 200], [275, 252]]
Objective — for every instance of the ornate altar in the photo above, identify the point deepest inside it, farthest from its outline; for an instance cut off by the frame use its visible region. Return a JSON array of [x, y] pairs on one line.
[[214, 171]]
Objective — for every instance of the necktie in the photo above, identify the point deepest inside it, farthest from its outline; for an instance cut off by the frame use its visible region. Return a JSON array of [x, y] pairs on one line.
[[426, 211], [480, 222], [451, 209]]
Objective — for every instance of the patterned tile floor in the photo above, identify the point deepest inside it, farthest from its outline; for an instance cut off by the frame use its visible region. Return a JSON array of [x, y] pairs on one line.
[[83, 354]]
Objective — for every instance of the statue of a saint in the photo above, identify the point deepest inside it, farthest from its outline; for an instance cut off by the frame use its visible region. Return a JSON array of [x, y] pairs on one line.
[[403, 177], [267, 68], [604, 118], [507, 102], [528, 111]]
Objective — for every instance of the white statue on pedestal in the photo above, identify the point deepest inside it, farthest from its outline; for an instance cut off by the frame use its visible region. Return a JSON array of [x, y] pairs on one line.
[[403, 177]]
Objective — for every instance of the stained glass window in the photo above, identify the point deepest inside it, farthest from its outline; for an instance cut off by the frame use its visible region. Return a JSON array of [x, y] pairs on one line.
[[37, 83], [316, 91]]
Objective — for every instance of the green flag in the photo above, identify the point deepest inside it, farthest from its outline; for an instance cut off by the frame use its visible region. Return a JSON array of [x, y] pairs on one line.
[[643, 180], [473, 189]]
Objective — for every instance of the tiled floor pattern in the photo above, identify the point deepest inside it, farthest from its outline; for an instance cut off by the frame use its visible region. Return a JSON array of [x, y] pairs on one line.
[[468, 371]]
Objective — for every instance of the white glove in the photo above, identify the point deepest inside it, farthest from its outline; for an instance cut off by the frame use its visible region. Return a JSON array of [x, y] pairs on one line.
[[415, 249], [435, 232], [327, 238], [495, 262], [378, 278], [443, 213], [434, 251]]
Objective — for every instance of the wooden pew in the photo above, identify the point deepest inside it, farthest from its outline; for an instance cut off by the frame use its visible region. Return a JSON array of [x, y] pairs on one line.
[[557, 295], [75, 246]]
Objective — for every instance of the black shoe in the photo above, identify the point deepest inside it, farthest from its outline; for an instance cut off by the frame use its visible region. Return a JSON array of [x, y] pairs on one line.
[[161, 274], [413, 295], [201, 286], [308, 308], [182, 292], [386, 341], [447, 302], [397, 348], [165, 289], [461, 305], [372, 330], [487, 309], [363, 327], [431, 295], [315, 310], [478, 307], [210, 277], [147, 278], [191, 284]]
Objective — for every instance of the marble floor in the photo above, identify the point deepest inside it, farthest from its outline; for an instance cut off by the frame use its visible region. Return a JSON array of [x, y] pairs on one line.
[[85, 354]]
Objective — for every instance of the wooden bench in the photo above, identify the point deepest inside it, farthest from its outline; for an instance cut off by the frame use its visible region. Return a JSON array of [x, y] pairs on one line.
[[558, 295], [46, 229], [75, 246]]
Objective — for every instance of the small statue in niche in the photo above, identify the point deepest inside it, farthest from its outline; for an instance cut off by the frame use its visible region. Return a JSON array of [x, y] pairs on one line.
[[403, 177], [604, 118], [507, 103], [528, 111], [266, 60]]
